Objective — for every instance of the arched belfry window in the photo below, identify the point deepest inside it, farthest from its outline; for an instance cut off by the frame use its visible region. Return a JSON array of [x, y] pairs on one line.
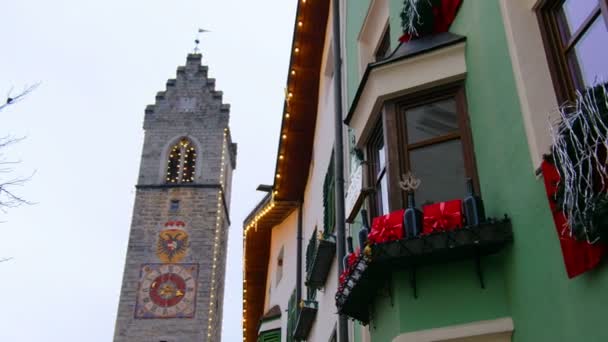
[[181, 162]]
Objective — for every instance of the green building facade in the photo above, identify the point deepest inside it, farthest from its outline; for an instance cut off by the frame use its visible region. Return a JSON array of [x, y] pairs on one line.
[[526, 282]]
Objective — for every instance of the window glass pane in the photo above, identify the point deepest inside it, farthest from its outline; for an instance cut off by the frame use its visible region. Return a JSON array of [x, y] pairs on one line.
[[383, 210], [576, 11], [431, 120], [591, 54], [441, 169], [381, 159]]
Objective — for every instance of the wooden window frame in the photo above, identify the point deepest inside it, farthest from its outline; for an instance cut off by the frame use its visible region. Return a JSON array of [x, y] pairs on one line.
[[394, 131], [565, 79], [375, 175]]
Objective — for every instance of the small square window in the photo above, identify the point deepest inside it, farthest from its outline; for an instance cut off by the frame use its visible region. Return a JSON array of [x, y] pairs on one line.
[[174, 206], [279, 273]]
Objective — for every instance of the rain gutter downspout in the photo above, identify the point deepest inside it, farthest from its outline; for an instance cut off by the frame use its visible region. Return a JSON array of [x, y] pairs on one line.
[[339, 156]]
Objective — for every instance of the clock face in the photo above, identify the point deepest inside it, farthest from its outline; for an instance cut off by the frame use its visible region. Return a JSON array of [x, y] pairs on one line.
[[167, 291]]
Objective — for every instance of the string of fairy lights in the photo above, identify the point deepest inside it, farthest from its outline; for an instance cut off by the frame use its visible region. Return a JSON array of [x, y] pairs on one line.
[[271, 204], [216, 241], [181, 163], [253, 224]]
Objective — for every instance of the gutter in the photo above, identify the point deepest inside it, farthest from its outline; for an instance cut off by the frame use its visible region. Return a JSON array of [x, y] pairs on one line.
[[339, 157]]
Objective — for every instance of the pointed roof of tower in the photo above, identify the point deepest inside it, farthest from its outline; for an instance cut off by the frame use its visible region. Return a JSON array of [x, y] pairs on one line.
[[193, 76]]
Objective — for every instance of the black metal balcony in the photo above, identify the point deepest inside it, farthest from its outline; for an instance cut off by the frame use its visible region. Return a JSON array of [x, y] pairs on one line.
[[320, 253], [306, 317], [356, 295]]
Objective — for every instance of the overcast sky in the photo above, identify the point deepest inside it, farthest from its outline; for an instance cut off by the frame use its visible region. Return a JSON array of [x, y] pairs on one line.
[[100, 64]]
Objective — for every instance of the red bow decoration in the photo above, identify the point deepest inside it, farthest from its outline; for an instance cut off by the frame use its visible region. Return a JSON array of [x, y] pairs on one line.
[[442, 216], [444, 14], [579, 256], [351, 261], [387, 228], [352, 258], [343, 276]]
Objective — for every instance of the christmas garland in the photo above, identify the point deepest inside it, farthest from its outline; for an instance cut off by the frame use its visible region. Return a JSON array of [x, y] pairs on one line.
[[423, 17], [579, 152], [411, 18]]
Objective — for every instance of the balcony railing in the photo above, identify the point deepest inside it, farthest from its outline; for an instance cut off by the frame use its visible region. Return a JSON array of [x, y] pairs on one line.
[[319, 256], [356, 294]]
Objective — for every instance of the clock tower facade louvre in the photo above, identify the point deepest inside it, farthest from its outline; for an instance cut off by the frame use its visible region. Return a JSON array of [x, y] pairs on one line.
[[174, 273]]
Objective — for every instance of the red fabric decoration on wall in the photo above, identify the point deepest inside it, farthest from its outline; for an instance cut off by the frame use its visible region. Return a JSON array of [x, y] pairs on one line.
[[579, 256], [444, 14]]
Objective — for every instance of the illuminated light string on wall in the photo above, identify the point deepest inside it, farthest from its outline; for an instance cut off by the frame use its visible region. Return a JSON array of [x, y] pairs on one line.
[[218, 224], [253, 224]]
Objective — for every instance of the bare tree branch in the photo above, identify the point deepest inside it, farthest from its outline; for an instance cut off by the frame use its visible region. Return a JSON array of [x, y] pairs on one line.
[[8, 197], [5, 259], [10, 100]]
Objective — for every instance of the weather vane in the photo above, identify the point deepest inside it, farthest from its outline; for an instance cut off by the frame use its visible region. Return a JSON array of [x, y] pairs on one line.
[[197, 41]]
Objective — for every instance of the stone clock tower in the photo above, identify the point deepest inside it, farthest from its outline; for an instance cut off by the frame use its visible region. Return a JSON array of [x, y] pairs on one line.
[[173, 281]]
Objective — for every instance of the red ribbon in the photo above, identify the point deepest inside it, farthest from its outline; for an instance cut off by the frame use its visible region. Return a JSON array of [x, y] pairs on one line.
[[387, 228], [442, 216]]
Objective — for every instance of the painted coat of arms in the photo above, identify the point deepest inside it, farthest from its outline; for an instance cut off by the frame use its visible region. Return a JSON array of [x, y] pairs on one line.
[[172, 245]]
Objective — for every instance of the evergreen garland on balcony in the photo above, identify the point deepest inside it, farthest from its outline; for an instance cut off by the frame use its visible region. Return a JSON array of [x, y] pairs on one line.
[[579, 151]]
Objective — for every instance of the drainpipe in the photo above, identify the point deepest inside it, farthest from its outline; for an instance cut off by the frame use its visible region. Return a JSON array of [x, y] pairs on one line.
[[299, 257], [339, 157]]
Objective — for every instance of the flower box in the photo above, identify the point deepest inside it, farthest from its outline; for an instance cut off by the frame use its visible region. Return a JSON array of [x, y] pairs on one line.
[[320, 254], [306, 317], [357, 290]]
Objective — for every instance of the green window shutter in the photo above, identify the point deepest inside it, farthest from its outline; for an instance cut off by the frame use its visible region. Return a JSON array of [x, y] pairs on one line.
[[270, 336], [329, 199], [311, 250], [291, 316]]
